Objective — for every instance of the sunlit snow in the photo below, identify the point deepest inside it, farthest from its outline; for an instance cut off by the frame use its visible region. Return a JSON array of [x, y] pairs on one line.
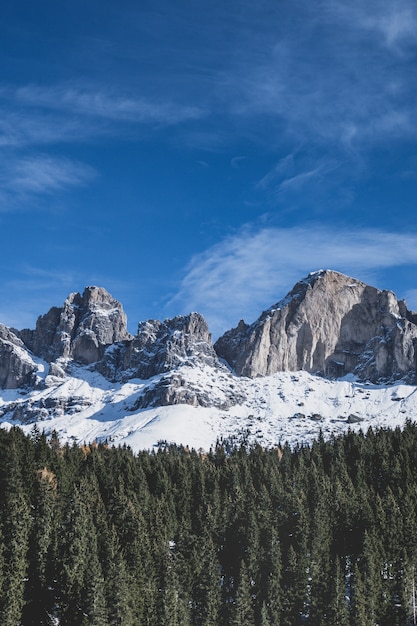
[[289, 406]]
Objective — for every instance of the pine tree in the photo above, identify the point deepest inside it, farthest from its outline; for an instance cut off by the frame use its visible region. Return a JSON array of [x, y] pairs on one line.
[[94, 589], [16, 526], [16, 532], [127, 518], [206, 592], [337, 613], [118, 590], [294, 588], [81, 577], [175, 606], [358, 599], [243, 614], [271, 581], [295, 532], [40, 591], [320, 560], [372, 578]]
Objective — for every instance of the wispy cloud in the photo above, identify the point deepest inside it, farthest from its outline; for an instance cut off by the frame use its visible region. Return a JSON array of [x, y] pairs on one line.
[[296, 173], [27, 128], [314, 77], [67, 113], [396, 24], [33, 117], [339, 75], [35, 291], [250, 271], [31, 278], [108, 105], [334, 78], [236, 161], [283, 169], [40, 174], [299, 180]]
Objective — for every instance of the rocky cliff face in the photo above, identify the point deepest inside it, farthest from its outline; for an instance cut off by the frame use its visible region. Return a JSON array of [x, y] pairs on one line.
[[329, 324], [159, 347], [80, 329], [17, 368]]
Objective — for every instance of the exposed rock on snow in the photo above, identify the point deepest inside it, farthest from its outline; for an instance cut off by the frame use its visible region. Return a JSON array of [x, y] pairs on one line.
[[354, 419], [329, 324], [178, 388]]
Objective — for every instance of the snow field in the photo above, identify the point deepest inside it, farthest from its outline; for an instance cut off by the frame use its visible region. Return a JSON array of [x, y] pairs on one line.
[[288, 407]]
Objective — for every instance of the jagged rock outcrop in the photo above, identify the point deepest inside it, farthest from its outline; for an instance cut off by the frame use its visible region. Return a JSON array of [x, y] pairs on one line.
[[160, 347], [80, 329], [330, 324], [31, 411], [16, 366], [175, 388]]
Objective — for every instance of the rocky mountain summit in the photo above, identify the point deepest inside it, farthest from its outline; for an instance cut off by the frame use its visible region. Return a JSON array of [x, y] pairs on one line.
[[80, 329], [160, 347], [329, 324], [164, 350], [90, 330], [80, 373]]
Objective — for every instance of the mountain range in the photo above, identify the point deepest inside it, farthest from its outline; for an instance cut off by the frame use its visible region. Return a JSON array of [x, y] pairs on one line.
[[335, 353]]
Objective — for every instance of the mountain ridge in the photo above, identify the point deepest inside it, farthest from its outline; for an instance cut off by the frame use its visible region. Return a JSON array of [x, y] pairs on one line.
[[81, 362], [329, 324]]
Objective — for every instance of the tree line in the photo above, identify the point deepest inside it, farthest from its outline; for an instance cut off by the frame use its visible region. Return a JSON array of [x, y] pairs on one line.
[[240, 535]]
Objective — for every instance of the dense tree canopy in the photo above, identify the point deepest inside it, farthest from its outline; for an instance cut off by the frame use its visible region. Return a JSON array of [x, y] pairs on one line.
[[245, 536]]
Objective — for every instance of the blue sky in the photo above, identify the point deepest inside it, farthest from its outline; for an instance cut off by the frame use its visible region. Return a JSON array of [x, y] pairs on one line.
[[204, 155]]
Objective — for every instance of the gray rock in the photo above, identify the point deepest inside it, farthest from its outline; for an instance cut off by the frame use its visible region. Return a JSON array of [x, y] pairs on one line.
[[32, 411], [174, 388], [163, 348], [17, 368], [316, 417], [329, 324], [354, 419], [80, 329], [160, 347], [56, 371]]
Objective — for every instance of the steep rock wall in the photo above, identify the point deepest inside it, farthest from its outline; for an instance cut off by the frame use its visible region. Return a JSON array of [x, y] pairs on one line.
[[80, 329], [330, 324]]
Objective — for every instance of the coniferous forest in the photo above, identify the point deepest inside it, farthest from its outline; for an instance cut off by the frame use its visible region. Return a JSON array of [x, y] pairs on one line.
[[238, 536]]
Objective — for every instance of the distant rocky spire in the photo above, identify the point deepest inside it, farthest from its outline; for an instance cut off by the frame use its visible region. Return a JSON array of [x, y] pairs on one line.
[[80, 329]]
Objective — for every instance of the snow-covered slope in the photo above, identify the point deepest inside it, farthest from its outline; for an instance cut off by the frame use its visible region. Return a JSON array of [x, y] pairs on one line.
[[287, 406]]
